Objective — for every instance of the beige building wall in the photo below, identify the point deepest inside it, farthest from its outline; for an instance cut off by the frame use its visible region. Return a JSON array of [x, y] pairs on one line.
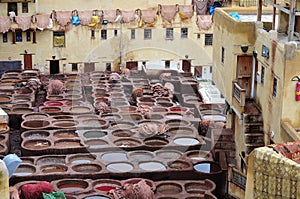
[[281, 64], [80, 47]]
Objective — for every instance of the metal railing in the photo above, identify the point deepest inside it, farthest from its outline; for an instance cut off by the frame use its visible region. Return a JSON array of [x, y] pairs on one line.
[[237, 177], [238, 93]]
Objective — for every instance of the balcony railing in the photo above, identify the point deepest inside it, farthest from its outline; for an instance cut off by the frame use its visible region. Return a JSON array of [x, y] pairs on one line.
[[238, 93], [236, 177]]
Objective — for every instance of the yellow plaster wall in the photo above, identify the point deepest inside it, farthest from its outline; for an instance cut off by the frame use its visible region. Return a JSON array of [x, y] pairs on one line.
[[229, 34], [80, 47]]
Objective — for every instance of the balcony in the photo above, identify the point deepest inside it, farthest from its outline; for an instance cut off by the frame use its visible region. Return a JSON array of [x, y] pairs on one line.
[[238, 96]]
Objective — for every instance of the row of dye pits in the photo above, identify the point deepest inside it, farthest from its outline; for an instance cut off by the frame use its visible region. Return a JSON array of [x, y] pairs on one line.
[[98, 189], [125, 120], [116, 162], [108, 139]]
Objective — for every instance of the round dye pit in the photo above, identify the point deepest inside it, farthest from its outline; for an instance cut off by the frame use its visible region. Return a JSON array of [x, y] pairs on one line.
[[51, 109], [186, 141], [152, 166], [127, 142], [81, 159], [199, 187], [65, 134], [207, 167], [36, 144], [35, 134], [80, 110], [114, 157], [119, 167], [67, 143], [94, 123], [24, 170], [53, 169], [138, 156], [96, 143], [199, 155], [96, 197], [53, 103], [35, 124], [179, 164], [154, 142], [111, 117], [64, 123], [35, 116], [72, 186], [169, 188], [49, 160], [87, 168], [184, 131], [122, 133], [94, 134], [173, 116], [106, 185], [168, 154]]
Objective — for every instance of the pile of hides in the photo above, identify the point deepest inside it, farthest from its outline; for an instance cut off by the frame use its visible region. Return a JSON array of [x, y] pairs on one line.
[[159, 90], [35, 191], [152, 129], [140, 190]]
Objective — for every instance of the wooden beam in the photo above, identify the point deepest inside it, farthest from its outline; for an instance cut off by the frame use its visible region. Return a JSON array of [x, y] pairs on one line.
[[292, 20], [259, 10]]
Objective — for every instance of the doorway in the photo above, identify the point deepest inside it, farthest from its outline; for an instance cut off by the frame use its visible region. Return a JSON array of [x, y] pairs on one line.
[[27, 61], [54, 66], [244, 72], [186, 65], [132, 65]]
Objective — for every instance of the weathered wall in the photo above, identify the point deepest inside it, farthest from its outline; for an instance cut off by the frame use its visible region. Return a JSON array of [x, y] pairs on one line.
[[80, 47]]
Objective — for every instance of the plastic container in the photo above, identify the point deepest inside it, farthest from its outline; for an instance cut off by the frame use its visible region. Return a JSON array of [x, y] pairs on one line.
[[4, 182], [12, 162]]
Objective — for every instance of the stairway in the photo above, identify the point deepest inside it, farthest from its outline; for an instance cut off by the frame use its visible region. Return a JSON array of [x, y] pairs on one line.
[[253, 127], [223, 141]]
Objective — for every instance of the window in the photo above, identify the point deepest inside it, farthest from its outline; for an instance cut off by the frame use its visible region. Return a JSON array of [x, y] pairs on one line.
[[147, 33], [93, 33], [4, 37], [198, 36], [24, 7], [12, 7], [167, 64], [74, 67], [108, 66], [34, 37], [208, 39], [265, 51], [103, 34], [184, 33], [222, 55], [19, 36], [115, 33], [132, 33], [274, 87], [58, 39], [28, 36], [262, 74], [169, 33]]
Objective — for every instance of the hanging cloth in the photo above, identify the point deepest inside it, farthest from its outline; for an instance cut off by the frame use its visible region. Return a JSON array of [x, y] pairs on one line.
[[128, 16], [75, 18], [109, 15], [5, 23], [185, 11], [201, 6], [149, 16], [94, 21], [63, 17], [42, 21], [204, 22], [85, 16], [24, 22], [168, 12]]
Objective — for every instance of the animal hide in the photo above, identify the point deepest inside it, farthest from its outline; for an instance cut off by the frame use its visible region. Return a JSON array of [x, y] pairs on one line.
[[24, 22], [85, 16], [186, 11], [149, 16], [42, 21], [109, 15], [128, 16], [204, 22], [63, 17], [201, 6], [168, 12], [5, 23]]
